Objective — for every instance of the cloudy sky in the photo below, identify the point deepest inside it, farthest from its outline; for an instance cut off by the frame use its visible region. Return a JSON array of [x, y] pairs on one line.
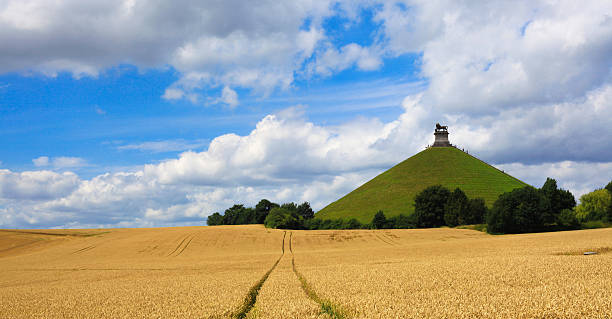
[[129, 113]]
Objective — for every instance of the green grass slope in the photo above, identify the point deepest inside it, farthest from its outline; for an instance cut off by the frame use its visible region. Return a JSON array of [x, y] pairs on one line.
[[394, 190]]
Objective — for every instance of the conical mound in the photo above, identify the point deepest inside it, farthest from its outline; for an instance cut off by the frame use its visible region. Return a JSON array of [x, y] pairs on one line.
[[394, 191]]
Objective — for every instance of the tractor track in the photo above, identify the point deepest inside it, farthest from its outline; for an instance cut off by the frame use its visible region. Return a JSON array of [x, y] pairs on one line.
[[328, 307], [180, 247], [251, 297]]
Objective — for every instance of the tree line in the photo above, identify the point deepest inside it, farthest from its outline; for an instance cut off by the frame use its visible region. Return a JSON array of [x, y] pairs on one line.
[[521, 210]]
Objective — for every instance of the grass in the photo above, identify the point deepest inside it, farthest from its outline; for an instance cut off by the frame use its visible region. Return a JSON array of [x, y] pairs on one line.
[[394, 190]]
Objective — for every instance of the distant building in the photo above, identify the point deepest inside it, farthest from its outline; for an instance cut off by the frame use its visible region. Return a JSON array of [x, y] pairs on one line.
[[441, 134]]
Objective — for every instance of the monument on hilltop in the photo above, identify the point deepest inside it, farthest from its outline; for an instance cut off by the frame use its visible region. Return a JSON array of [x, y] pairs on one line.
[[441, 134]]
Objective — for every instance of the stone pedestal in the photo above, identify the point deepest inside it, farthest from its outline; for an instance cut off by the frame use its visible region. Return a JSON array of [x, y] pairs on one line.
[[441, 139]]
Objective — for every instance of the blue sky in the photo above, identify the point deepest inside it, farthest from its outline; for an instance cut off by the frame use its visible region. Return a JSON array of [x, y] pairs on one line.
[[125, 113]]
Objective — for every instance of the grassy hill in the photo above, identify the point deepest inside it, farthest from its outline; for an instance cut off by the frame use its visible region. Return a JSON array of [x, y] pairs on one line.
[[394, 190]]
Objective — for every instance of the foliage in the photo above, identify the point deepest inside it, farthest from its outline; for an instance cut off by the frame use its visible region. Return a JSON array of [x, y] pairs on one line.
[[519, 211], [455, 209], [476, 211], [429, 206], [262, 209], [305, 210], [609, 187], [567, 219], [402, 221], [215, 219], [285, 218], [559, 199], [595, 206], [379, 220]]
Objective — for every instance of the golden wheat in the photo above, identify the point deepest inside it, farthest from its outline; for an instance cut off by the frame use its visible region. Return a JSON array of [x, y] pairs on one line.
[[207, 272]]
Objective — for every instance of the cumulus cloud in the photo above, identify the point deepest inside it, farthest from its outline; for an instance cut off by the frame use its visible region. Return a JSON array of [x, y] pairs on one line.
[[485, 58], [523, 85], [36, 185]]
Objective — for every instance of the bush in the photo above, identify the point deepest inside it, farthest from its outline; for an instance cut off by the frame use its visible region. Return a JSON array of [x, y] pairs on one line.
[[519, 211], [352, 224], [429, 206], [379, 220], [595, 206], [402, 221]]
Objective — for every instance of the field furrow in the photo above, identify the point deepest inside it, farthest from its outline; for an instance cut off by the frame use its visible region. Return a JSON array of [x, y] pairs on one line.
[[282, 296]]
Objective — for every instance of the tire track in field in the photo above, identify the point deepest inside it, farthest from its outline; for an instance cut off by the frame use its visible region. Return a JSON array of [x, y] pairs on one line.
[[251, 297], [84, 249], [383, 239], [328, 307], [182, 245]]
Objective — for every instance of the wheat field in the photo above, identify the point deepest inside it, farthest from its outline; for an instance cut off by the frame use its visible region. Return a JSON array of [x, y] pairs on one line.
[[254, 272]]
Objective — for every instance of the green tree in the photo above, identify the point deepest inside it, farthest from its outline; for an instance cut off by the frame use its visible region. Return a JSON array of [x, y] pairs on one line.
[[609, 187], [262, 209], [455, 209], [595, 206], [305, 210], [519, 211], [283, 218], [559, 199], [429, 206], [567, 219], [476, 211], [232, 214], [379, 220], [214, 219]]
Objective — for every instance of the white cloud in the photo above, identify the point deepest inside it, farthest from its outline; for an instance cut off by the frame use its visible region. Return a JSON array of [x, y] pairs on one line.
[[36, 185], [41, 161], [59, 162], [485, 58], [229, 97], [164, 146], [256, 46], [524, 85], [333, 60], [173, 94]]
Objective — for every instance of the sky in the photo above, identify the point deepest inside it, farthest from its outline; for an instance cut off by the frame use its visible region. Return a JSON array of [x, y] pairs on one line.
[[132, 113]]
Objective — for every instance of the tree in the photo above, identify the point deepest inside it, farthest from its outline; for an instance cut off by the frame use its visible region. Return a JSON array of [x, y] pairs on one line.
[[519, 211], [214, 219], [567, 219], [609, 187], [429, 206], [559, 199], [476, 211], [305, 210], [455, 209], [283, 218], [231, 215], [262, 209], [379, 220], [595, 206]]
